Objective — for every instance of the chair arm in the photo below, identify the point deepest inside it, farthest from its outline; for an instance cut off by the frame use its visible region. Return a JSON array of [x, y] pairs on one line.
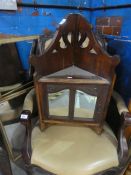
[[125, 118], [122, 109], [25, 119], [121, 106], [29, 101]]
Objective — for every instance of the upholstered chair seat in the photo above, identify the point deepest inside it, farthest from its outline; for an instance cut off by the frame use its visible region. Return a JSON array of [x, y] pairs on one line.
[[8, 113], [68, 150]]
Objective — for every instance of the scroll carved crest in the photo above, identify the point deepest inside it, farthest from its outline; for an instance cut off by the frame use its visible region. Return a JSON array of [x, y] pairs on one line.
[[74, 43]]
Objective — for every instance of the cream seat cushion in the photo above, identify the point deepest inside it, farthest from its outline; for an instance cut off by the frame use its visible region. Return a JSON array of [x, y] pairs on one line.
[[7, 113], [68, 150]]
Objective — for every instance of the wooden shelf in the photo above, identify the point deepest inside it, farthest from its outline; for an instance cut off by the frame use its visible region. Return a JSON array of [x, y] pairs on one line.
[[4, 39]]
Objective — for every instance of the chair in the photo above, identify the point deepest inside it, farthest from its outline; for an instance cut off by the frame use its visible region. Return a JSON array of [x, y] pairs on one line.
[[74, 79]]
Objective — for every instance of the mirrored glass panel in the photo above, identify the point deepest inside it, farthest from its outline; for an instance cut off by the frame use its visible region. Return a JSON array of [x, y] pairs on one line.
[[59, 103], [84, 105]]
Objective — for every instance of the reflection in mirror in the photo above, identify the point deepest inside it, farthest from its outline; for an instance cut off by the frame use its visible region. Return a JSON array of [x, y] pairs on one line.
[[59, 103], [84, 105]]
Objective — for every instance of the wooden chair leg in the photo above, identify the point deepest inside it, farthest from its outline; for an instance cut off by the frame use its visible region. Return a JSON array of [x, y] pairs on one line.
[[26, 150]]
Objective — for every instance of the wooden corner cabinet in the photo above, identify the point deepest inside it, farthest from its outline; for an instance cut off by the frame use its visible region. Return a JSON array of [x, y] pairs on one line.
[[73, 96], [74, 77]]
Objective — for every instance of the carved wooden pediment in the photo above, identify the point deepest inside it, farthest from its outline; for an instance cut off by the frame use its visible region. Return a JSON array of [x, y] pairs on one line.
[[74, 43]]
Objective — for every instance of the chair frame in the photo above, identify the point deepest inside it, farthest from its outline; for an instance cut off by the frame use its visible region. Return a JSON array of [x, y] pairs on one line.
[[99, 63]]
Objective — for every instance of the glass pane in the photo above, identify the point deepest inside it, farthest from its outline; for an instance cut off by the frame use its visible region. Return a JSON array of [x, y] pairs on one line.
[[84, 105], [59, 103]]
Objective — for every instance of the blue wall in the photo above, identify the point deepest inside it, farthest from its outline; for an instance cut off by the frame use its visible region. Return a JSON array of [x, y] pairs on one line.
[[101, 3], [120, 45], [25, 24], [22, 22]]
